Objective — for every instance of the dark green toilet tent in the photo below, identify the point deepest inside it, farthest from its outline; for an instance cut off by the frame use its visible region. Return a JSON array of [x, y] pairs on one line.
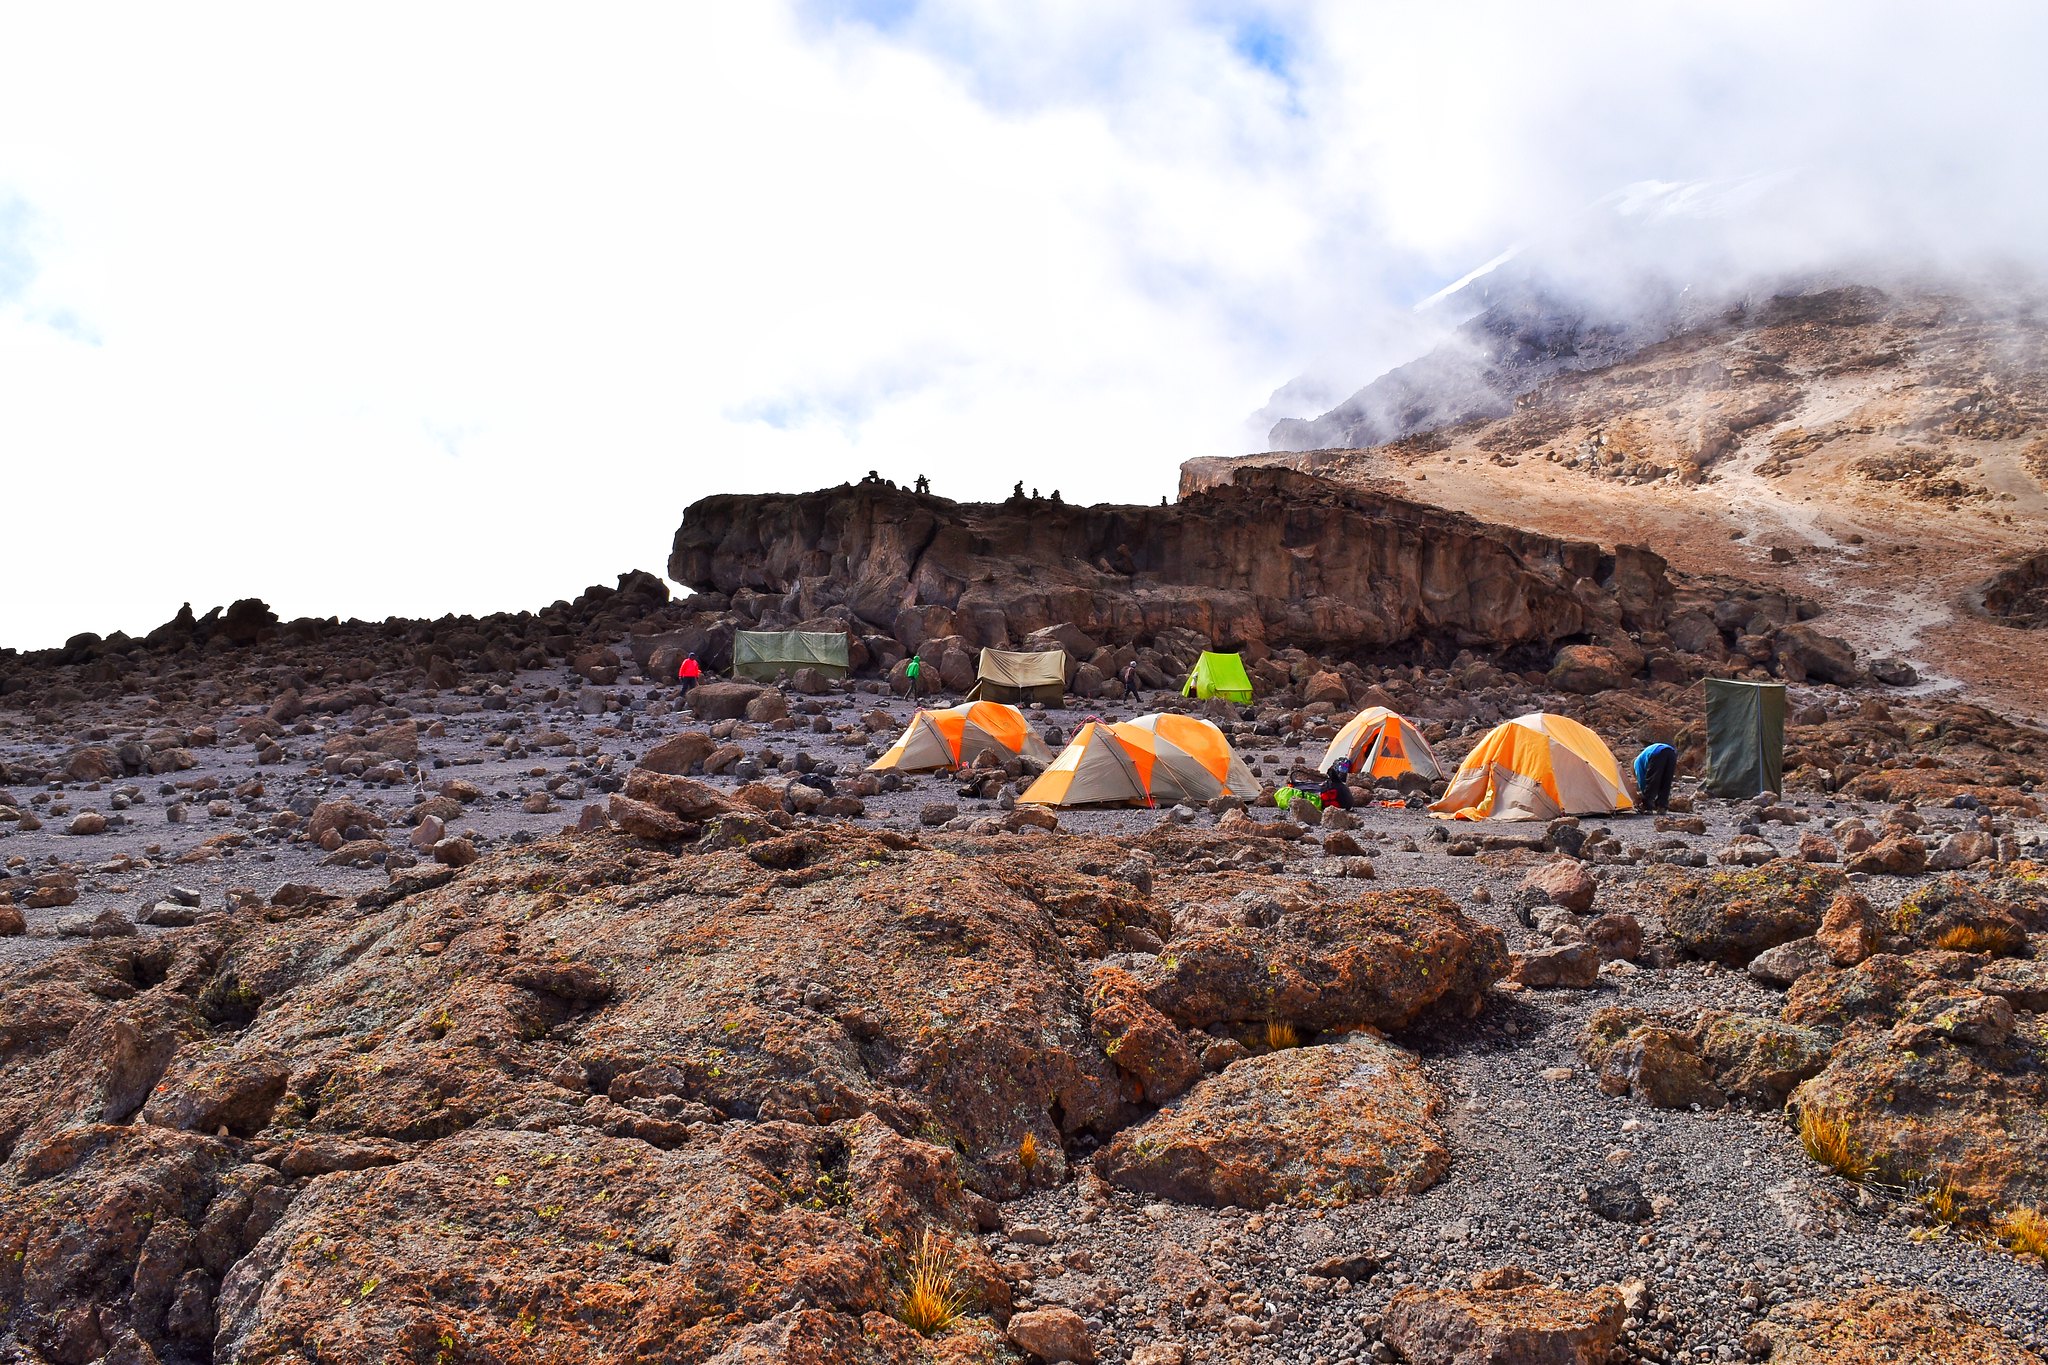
[[1745, 737]]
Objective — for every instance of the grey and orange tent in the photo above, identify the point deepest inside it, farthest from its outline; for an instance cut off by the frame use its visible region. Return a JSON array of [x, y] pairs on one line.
[[951, 737], [1536, 767], [1142, 762], [1380, 743]]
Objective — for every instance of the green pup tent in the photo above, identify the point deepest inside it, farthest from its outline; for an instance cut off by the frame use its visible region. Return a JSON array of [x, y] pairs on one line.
[[765, 653], [1745, 738], [1219, 675]]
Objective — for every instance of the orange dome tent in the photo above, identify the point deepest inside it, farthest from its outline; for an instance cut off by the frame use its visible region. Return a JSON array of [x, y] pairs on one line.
[[1382, 744], [1536, 767], [1155, 758], [951, 737]]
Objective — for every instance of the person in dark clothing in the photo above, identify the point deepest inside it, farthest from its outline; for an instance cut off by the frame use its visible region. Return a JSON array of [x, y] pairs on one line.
[[1129, 678], [1336, 788], [1655, 767], [924, 485]]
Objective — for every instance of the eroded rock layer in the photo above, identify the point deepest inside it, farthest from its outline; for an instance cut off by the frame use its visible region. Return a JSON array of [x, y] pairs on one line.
[[1274, 557]]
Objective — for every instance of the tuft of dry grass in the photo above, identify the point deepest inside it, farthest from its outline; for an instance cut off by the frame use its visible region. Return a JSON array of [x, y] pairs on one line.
[[1946, 1202], [1027, 1153], [2025, 1229], [1972, 938], [1281, 1035], [1828, 1141], [934, 1299]]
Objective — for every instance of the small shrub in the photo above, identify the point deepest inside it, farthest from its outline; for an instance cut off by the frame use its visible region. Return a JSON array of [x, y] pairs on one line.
[[933, 1300], [1027, 1153], [2025, 1229], [1828, 1141], [1280, 1035]]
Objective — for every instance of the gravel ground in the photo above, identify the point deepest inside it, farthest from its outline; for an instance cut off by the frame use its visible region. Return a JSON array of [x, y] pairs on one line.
[[1741, 1218]]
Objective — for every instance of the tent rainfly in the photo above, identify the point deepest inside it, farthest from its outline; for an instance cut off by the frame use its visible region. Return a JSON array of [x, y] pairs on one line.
[[1536, 767], [1745, 738], [1143, 762], [1219, 675], [952, 737], [1380, 743], [765, 653], [1005, 675]]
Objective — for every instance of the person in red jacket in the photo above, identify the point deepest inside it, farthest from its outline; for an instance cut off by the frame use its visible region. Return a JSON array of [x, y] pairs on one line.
[[687, 673]]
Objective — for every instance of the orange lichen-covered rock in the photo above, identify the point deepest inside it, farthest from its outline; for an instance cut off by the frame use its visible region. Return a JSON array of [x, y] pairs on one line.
[[1883, 1324], [571, 1245], [1339, 961], [1313, 1125], [1142, 1042], [1732, 916], [1514, 1322], [1958, 1105]]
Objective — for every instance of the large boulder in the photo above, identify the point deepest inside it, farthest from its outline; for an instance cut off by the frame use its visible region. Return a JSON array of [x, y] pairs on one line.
[[339, 816], [1143, 1043], [1883, 1324], [1587, 669], [1521, 1322], [1951, 1091], [1674, 1061], [1805, 654], [678, 754], [1731, 916], [1951, 914], [246, 621], [400, 742], [1311, 1125], [1871, 993], [723, 700], [1333, 961], [517, 1215], [1564, 883]]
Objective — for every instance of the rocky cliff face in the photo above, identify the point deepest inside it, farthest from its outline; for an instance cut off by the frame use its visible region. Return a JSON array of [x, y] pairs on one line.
[[1274, 558]]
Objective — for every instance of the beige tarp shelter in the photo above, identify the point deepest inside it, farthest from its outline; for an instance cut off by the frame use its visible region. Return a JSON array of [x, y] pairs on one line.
[[951, 737], [764, 653], [1004, 675]]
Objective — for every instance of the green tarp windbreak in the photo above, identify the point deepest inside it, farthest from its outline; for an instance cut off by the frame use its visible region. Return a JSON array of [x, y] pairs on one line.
[[1219, 675], [765, 653], [1745, 738]]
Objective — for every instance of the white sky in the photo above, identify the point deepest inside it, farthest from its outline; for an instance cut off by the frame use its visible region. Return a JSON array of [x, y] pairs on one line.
[[407, 309]]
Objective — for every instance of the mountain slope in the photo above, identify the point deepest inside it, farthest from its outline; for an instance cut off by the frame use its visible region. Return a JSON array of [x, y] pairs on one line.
[[1880, 450]]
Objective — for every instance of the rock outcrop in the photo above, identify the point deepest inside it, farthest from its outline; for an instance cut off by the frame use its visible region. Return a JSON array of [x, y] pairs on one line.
[[1274, 558], [1314, 1125]]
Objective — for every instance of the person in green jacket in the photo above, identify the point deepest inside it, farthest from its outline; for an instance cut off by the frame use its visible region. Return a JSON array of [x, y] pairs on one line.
[[913, 671]]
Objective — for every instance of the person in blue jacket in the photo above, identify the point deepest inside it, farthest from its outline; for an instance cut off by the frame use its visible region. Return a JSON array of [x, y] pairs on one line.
[[1655, 767]]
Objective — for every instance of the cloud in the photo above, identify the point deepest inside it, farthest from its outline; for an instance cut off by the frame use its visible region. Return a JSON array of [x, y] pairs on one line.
[[397, 310]]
